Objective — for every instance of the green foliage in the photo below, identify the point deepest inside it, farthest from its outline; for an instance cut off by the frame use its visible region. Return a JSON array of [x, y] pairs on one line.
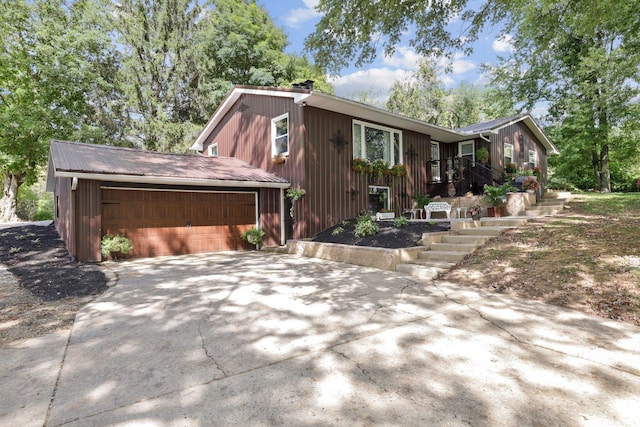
[[497, 195], [50, 64], [421, 200], [254, 236], [365, 226], [482, 154], [115, 244], [400, 221], [34, 203], [337, 231]]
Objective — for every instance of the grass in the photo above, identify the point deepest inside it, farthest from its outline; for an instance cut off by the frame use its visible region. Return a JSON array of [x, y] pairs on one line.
[[587, 258]]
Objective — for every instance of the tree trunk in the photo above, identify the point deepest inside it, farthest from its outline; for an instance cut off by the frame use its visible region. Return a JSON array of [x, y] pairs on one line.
[[605, 172], [9, 200]]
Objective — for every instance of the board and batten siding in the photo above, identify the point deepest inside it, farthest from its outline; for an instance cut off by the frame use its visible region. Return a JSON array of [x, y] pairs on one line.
[[511, 135]]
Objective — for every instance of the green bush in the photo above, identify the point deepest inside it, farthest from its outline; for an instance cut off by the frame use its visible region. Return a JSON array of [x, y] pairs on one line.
[[115, 244], [254, 236], [338, 230], [34, 204], [365, 227], [400, 222]]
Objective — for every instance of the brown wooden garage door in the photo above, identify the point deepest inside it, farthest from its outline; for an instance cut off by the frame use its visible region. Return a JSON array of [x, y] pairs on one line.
[[178, 222]]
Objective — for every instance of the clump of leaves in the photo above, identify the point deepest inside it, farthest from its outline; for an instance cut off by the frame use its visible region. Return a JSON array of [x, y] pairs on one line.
[[114, 244], [254, 236], [338, 230], [400, 222], [365, 227]]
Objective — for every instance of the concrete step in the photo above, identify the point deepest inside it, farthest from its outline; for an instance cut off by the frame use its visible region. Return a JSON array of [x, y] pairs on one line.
[[540, 212], [444, 265], [507, 221], [453, 247], [465, 239], [557, 195], [483, 231], [446, 256], [420, 271], [556, 202]]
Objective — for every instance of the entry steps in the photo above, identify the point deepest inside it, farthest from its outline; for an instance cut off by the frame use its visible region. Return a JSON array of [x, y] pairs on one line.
[[444, 251]]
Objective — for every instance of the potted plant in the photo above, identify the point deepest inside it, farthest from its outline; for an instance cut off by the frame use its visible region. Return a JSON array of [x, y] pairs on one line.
[[496, 196], [530, 184], [482, 154], [278, 159], [113, 246], [361, 165], [254, 236], [420, 200], [295, 193]]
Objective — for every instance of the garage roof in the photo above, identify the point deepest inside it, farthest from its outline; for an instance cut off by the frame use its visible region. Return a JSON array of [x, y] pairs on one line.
[[118, 164]]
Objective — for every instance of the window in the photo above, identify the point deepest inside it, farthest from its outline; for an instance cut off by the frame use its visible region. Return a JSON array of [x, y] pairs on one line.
[[213, 149], [374, 142], [435, 165], [466, 150], [533, 159], [508, 153], [378, 198], [280, 135]]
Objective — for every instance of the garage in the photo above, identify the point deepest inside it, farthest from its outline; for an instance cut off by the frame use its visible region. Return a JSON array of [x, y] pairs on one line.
[[178, 222], [165, 203]]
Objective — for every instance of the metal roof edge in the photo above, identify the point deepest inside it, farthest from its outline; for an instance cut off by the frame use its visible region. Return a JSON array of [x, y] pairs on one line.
[[144, 179]]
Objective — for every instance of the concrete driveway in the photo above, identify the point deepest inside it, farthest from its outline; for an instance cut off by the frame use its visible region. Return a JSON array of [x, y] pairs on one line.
[[266, 339]]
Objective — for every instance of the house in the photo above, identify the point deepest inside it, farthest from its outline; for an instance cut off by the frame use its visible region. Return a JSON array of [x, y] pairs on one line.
[[164, 203], [260, 144], [323, 144]]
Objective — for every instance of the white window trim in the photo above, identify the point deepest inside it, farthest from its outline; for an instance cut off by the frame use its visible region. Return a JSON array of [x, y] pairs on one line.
[[273, 134], [504, 154], [388, 203], [533, 155], [435, 168], [392, 153], [211, 148], [473, 152]]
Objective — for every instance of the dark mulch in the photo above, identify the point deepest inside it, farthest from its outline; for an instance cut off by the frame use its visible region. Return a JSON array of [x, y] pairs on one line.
[[40, 261], [388, 237]]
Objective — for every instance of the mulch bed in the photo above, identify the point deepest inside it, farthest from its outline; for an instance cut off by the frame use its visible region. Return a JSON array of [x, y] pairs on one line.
[[389, 237], [40, 261]]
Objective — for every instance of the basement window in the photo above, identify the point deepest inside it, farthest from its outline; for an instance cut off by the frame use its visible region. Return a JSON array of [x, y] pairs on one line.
[[378, 198]]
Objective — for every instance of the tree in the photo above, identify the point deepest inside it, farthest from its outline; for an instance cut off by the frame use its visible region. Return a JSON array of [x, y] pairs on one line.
[[46, 69], [581, 57], [424, 97]]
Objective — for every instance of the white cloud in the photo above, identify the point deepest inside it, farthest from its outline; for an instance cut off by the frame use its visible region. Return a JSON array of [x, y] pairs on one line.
[[503, 45], [404, 57], [461, 65], [300, 15], [376, 81]]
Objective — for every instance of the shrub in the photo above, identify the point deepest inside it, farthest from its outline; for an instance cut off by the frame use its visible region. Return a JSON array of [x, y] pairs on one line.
[[338, 230], [254, 236], [115, 244], [400, 222], [365, 227]]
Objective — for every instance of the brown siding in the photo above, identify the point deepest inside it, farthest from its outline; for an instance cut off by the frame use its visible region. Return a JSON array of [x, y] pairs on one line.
[[511, 134], [64, 213], [270, 216], [88, 206]]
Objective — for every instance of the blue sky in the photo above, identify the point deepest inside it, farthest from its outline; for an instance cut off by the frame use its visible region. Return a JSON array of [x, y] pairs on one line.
[[298, 18]]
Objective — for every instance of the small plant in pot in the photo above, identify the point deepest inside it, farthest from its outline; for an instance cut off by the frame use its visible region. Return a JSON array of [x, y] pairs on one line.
[[254, 236], [496, 196], [482, 154], [113, 246]]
